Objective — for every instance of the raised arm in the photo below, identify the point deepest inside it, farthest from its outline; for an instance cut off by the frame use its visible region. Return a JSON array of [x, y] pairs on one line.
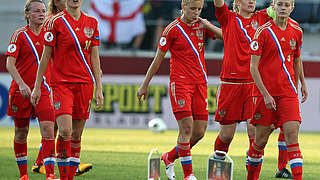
[[216, 30], [36, 92], [268, 99], [97, 73], [11, 67], [153, 68]]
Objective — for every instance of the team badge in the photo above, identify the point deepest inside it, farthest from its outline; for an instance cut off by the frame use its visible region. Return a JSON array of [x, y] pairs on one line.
[[48, 36], [88, 32], [14, 108], [254, 45], [257, 116], [12, 48], [163, 41], [222, 113], [199, 33], [181, 102], [254, 24], [292, 44], [57, 105]]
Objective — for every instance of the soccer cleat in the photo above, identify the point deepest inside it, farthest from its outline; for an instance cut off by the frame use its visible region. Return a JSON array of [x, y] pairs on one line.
[[82, 168], [38, 169], [52, 177], [190, 177], [169, 166], [24, 177], [284, 173]]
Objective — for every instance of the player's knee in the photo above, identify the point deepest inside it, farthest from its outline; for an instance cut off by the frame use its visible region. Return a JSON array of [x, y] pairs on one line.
[[65, 132], [186, 130], [21, 134]]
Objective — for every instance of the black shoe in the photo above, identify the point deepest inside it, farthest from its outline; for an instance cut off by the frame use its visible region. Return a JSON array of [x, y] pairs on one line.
[[284, 173]]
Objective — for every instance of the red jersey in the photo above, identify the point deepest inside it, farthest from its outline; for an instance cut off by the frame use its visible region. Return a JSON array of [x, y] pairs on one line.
[[237, 34], [26, 47], [186, 45], [278, 49], [72, 41]]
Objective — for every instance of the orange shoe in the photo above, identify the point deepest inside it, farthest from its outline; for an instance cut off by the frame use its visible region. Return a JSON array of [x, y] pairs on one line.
[[52, 177], [24, 177]]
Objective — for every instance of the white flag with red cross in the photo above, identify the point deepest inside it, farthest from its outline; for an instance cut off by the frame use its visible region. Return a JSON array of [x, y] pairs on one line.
[[119, 20]]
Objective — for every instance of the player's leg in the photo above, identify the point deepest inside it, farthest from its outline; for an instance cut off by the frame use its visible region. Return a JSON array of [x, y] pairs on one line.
[[290, 119], [183, 145], [81, 109], [256, 151], [282, 171], [224, 139], [251, 130], [46, 122], [77, 129], [63, 146], [38, 165], [20, 144], [291, 129]]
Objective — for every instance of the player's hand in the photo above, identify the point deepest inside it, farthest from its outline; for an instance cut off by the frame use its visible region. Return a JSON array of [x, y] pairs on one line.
[[25, 90], [270, 103], [35, 96], [304, 93], [203, 23], [99, 98], [142, 91]]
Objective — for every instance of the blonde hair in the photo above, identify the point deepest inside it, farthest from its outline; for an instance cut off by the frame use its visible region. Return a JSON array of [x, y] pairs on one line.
[[274, 2], [52, 8], [187, 2], [27, 7]]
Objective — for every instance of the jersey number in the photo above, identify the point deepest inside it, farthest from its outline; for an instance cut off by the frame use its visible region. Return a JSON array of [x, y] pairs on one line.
[[88, 43]]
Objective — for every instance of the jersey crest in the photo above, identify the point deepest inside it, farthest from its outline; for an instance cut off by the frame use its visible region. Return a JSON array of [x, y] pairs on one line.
[[88, 32], [292, 44]]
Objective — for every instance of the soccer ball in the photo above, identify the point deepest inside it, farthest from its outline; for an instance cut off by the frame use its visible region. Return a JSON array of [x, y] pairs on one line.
[[157, 125]]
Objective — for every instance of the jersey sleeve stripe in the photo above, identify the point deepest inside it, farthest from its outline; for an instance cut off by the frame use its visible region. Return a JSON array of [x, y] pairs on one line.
[[16, 35], [260, 29], [169, 27]]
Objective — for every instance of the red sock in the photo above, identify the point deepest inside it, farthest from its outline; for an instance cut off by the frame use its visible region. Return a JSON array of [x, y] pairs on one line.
[[251, 141], [173, 154], [185, 158], [75, 157], [20, 150], [295, 160], [63, 156], [255, 156], [283, 153], [48, 154], [220, 146], [39, 158]]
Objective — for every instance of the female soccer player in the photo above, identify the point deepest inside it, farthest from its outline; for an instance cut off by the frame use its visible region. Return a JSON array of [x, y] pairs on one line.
[[73, 37], [184, 38], [54, 7], [238, 28], [23, 54], [276, 49]]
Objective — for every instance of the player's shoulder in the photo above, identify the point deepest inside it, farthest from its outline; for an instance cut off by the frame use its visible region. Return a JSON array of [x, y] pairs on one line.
[[295, 25], [89, 17], [170, 26], [17, 33], [261, 29], [53, 19]]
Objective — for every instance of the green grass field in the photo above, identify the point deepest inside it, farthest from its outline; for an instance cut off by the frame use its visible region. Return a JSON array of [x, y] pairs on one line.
[[122, 154]]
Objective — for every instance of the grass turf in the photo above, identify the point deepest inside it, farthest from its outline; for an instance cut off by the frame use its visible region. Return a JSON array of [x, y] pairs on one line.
[[120, 154]]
